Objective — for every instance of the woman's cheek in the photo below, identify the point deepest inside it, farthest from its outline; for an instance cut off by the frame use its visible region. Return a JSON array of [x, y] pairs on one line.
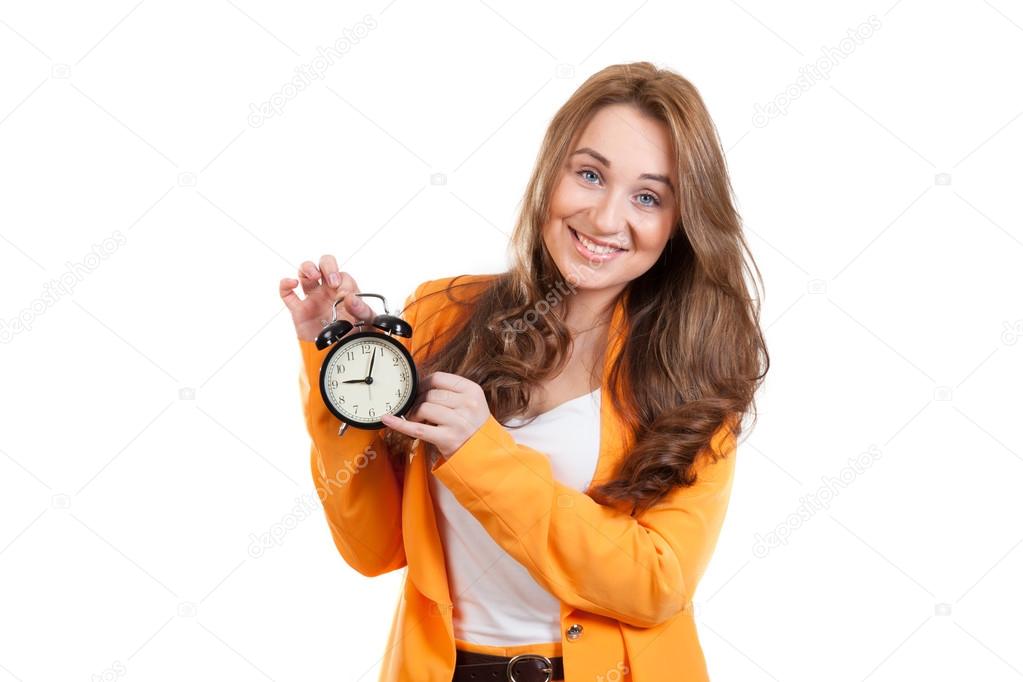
[[568, 193]]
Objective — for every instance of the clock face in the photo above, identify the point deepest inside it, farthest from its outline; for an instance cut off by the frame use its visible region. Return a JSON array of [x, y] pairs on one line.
[[385, 362]]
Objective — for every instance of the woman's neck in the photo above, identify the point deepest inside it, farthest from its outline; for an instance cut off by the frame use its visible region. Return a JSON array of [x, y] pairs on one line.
[[588, 313]]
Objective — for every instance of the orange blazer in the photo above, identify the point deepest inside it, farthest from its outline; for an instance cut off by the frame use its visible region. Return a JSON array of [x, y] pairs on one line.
[[625, 583]]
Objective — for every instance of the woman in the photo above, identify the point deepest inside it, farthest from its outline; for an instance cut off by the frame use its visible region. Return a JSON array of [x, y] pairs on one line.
[[577, 416]]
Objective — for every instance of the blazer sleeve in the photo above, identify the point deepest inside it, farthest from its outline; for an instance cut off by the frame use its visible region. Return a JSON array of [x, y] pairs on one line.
[[639, 570], [355, 482]]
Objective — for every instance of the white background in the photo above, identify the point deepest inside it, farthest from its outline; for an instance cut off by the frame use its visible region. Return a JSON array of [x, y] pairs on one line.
[[151, 425]]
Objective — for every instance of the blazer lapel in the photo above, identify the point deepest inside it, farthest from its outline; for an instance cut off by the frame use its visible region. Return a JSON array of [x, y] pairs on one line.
[[423, 550]]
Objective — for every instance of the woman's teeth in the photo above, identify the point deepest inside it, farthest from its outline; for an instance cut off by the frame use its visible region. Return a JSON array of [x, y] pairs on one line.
[[594, 247]]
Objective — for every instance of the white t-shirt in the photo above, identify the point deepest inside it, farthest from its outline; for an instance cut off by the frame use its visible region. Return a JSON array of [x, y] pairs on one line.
[[496, 601]]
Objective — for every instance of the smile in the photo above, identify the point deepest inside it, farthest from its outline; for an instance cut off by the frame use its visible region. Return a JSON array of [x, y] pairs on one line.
[[592, 250]]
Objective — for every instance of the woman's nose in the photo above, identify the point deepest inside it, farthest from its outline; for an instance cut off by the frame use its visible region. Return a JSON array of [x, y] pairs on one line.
[[609, 215]]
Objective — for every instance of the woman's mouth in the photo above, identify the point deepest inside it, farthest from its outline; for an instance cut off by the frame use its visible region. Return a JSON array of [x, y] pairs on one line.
[[593, 251]]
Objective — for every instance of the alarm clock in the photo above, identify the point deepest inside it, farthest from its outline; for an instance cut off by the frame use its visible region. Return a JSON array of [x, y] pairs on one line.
[[369, 373]]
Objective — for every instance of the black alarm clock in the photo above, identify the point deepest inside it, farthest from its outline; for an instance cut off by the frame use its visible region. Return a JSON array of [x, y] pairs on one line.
[[369, 373]]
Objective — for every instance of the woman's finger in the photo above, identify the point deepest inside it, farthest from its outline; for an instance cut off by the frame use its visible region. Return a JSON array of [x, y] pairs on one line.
[[440, 396], [328, 269], [309, 276], [357, 307], [288, 295], [444, 380], [411, 428], [432, 413]]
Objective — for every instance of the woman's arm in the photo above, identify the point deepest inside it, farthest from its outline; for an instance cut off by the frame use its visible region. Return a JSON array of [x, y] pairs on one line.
[[639, 570], [354, 479]]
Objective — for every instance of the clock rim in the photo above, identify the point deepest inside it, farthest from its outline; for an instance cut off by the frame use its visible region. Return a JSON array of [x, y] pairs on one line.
[[377, 425]]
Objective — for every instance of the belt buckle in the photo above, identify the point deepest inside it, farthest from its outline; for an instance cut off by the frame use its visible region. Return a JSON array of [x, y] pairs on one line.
[[549, 669]]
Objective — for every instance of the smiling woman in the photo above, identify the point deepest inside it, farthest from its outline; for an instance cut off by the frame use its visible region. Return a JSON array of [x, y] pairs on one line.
[[558, 488]]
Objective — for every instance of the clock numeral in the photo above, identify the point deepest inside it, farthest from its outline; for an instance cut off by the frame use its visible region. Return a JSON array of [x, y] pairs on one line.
[[388, 407], [355, 409], [351, 355], [366, 350], [372, 412], [395, 358]]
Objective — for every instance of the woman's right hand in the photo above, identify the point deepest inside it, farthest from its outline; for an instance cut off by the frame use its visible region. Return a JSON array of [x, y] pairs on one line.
[[322, 286]]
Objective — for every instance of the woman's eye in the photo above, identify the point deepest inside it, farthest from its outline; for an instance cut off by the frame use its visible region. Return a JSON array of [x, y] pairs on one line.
[[654, 200]]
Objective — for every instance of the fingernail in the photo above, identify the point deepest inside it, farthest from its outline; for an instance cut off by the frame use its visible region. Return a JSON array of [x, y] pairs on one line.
[[334, 279]]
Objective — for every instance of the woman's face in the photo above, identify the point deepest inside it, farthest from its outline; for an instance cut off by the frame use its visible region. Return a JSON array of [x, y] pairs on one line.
[[617, 187]]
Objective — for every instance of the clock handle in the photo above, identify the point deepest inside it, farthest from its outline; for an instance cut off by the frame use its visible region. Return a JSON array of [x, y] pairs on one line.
[[382, 301], [333, 308]]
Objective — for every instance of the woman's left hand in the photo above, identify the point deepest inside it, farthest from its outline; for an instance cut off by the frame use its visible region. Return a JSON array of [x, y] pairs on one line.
[[451, 409]]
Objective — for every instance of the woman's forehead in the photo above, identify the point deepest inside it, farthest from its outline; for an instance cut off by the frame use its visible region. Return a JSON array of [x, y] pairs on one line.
[[625, 140]]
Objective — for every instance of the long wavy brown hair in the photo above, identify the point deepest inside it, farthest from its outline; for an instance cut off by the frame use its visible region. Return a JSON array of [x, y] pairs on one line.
[[693, 355]]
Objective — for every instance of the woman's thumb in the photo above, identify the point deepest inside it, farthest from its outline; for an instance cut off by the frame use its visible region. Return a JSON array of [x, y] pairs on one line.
[[356, 306]]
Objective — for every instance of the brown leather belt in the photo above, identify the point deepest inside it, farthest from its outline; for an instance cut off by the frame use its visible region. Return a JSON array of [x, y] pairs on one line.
[[475, 667]]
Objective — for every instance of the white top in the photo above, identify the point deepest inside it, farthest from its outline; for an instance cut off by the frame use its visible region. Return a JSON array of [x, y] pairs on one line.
[[496, 601]]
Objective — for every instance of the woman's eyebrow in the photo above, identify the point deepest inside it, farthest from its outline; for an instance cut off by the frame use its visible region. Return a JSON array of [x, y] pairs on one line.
[[595, 154], [603, 159]]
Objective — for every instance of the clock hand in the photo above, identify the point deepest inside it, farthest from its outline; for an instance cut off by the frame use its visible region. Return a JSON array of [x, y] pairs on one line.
[[369, 375], [354, 381]]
